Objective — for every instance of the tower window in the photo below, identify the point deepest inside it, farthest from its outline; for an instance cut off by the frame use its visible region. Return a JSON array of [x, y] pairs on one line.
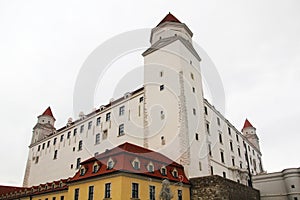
[[78, 163], [205, 110], [97, 140], [107, 117], [75, 131], [224, 174], [98, 121], [229, 131], [163, 141], [161, 73], [43, 147], [193, 89], [48, 144], [141, 99], [292, 186], [194, 111], [231, 145], [220, 138], [237, 138], [197, 136], [54, 141], [80, 145], [90, 125], [218, 121], [222, 156], [209, 150], [121, 110], [161, 87], [81, 128], [39, 147], [211, 170], [55, 154], [239, 151], [61, 138], [233, 162], [68, 134], [162, 115], [121, 130], [207, 128], [192, 75]]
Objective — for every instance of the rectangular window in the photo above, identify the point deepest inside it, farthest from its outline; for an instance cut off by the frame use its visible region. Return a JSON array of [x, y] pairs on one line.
[[121, 110], [43, 147], [151, 192], [68, 135], [218, 121], [205, 110], [107, 117], [233, 162], [237, 138], [161, 73], [62, 197], [55, 154], [54, 141], [224, 174], [194, 111], [61, 138], [39, 147], [197, 136], [97, 140], [239, 151], [80, 145], [104, 135], [135, 190], [98, 121], [81, 128], [78, 163], [76, 194], [220, 138], [48, 143], [231, 146], [179, 194], [75, 131], [161, 87], [229, 131], [141, 99], [53, 198], [207, 128], [193, 89], [222, 156], [121, 130], [90, 125], [211, 170], [192, 76], [107, 190], [209, 149], [241, 165], [91, 193]]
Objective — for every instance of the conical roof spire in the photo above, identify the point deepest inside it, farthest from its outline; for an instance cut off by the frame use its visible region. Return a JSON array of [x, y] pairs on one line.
[[247, 124], [48, 112], [169, 18]]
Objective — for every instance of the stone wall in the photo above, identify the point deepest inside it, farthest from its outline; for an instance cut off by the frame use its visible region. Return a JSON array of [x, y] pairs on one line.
[[217, 188]]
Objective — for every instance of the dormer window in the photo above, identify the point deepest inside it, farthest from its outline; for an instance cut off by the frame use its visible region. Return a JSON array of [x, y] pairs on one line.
[[110, 163], [82, 171], [163, 171], [136, 163], [175, 173], [53, 185], [60, 184], [150, 167], [95, 168]]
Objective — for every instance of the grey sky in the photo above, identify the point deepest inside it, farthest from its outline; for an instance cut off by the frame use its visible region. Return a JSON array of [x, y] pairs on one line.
[[255, 46]]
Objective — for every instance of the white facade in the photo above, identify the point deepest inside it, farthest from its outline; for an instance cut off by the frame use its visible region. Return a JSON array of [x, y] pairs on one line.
[[169, 115], [284, 185]]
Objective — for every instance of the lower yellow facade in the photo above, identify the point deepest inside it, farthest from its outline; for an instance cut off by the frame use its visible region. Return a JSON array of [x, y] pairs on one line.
[[121, 188]]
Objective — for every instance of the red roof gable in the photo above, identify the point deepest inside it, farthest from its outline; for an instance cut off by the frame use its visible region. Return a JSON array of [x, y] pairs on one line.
[[247, 124], [169, 18], [48, 112], [124, 155]]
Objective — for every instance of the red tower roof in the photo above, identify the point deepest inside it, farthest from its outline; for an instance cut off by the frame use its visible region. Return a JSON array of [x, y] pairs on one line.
[[247, 124], [48, 112], [169, 18]]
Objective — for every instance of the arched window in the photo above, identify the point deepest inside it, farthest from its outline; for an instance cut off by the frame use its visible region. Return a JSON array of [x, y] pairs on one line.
[[110, 163], [136, 163]]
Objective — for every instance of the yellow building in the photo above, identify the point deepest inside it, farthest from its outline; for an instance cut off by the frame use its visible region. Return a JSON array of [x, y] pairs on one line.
[[124, 172]]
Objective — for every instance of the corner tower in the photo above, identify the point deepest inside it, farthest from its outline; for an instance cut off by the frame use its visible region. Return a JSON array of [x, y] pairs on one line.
[[173, 101], [249, 132], [44, 126]]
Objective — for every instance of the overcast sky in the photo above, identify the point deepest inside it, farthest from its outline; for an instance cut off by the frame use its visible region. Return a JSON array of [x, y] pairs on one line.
[[255, 46]]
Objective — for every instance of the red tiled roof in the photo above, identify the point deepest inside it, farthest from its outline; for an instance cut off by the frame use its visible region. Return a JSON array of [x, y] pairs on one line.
[[48, 112], [123, 156], [169, 18], [247, 124], [8, 189]]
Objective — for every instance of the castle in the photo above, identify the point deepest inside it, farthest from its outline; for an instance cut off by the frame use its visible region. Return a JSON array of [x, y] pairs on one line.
[[169, 114]]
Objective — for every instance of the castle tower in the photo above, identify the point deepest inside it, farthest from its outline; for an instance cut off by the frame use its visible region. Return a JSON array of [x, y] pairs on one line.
[[173, 97], [249, 132], [44, 126]]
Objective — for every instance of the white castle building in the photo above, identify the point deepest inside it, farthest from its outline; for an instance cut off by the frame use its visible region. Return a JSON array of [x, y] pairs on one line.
[[168, 114]]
